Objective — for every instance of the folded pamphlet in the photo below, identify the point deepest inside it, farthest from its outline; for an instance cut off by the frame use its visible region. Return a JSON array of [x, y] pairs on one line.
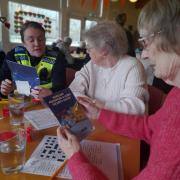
[[25, 77], [69, 113]]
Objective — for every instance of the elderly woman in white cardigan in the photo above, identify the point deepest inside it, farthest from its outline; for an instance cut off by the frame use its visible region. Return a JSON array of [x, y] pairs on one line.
[[111, 79]]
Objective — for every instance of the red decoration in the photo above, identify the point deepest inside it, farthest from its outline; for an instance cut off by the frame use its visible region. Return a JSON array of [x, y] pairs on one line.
[[7, 25], [4, 21], [82, 2], [106, 3], [29, 134], [94, 4], [7, 135], [122, 3], [20, 19], [5, 111]]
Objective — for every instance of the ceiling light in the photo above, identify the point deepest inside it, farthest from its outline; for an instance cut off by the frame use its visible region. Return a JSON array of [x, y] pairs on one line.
[[133, 1]]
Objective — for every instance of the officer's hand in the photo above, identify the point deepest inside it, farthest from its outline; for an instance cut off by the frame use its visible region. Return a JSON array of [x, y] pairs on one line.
[[39, 92], [6, 87]]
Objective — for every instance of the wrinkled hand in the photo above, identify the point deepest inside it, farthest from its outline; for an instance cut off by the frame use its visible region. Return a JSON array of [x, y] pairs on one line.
[[39, 92], [91, 109], [6, 87], [67, 142], [96, 102]]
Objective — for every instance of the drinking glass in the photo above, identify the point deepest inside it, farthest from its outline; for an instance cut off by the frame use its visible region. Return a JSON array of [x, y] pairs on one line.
[[16, 108], [12, 150]]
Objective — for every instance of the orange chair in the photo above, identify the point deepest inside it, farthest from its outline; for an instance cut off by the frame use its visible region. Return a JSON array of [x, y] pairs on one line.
[[70, 74]]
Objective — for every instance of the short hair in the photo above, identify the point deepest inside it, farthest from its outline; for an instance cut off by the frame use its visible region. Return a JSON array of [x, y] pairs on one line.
[[108, 35], [121, 18], [67, 40], [164, 16], [30, 24]]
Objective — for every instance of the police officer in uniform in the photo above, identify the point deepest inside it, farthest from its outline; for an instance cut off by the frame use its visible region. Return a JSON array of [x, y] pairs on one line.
[[50, 64]]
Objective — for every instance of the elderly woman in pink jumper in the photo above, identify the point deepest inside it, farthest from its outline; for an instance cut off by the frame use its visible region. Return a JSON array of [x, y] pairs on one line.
[[111, 79], [159, 28]]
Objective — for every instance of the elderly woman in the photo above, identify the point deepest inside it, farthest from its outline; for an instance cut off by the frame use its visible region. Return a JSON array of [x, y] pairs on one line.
[[112, 79], [159, 27]]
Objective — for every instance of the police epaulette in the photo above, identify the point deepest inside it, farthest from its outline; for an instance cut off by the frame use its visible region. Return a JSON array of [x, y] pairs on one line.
[[20, 49]]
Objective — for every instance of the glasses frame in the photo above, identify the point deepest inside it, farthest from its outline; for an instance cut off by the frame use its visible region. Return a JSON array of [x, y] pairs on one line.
[[142, 40]]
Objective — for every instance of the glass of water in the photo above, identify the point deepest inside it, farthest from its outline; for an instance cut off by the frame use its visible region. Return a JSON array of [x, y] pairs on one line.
[[16, 108], [12, 151]]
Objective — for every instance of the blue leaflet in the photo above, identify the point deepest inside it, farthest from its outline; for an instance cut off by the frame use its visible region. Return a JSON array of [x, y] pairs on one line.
[[24, 73], [65, 107]]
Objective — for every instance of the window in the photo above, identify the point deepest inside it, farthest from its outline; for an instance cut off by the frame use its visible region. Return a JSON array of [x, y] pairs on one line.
[[75, 31], [20, 13], [89, 24]]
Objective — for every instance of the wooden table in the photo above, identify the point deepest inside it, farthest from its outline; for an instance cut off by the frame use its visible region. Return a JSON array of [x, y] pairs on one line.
[[130, 150]]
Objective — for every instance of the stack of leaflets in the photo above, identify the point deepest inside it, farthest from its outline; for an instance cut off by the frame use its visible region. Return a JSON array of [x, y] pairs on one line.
[[41, 119]]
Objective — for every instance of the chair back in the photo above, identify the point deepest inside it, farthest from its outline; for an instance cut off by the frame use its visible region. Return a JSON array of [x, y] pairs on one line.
[[70, 74], [156, 99]]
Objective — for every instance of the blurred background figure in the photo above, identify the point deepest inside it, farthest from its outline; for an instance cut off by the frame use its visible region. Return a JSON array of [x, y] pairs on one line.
[[82, 50], [121, 20], [64, 47]]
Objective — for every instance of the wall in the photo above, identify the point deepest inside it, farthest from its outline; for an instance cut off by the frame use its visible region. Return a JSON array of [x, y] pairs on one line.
[[74, 10]]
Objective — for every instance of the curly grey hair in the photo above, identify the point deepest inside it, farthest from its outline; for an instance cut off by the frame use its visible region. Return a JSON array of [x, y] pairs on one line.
[[108, 35]]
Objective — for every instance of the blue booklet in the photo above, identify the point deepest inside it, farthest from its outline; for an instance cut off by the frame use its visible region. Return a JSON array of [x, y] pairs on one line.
[[20, 72], [69, 113]]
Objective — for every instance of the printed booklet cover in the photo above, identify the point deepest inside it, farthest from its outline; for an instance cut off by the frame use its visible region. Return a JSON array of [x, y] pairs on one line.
[[69, 113], [20, 72]]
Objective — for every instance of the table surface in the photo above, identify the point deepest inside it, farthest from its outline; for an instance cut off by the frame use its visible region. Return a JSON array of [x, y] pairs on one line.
[[130, 149]]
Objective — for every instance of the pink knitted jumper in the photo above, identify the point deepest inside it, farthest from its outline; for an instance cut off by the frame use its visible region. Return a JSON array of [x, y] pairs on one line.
[[161, 131]]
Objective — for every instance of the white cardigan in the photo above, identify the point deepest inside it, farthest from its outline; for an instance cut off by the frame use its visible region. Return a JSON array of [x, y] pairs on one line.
[[122, 87]]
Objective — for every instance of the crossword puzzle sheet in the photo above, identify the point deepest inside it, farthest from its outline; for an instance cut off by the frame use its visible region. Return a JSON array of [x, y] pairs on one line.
[[46, 158]]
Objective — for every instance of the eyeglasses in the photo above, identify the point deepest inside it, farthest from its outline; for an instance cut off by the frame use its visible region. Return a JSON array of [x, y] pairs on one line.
[[144, 41]]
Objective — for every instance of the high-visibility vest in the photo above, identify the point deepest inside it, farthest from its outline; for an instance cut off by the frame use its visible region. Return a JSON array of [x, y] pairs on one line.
[[47, 62]]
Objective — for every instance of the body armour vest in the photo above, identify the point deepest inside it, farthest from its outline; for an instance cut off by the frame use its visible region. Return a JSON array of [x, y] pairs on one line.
[[43, 68]]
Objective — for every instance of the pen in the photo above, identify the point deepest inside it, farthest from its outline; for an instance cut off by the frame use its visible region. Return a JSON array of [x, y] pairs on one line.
[[58, 170]]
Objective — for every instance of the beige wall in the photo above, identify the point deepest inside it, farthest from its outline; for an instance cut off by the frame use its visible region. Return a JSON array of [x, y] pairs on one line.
[[74, 10]]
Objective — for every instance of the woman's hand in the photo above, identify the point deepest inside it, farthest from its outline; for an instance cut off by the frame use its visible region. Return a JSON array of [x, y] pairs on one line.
[[6, 87], [91, 109], [95, 102], [67, 142], [39, 92]]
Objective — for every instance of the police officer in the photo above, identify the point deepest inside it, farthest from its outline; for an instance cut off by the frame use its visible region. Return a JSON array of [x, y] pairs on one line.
[[49, 64]]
